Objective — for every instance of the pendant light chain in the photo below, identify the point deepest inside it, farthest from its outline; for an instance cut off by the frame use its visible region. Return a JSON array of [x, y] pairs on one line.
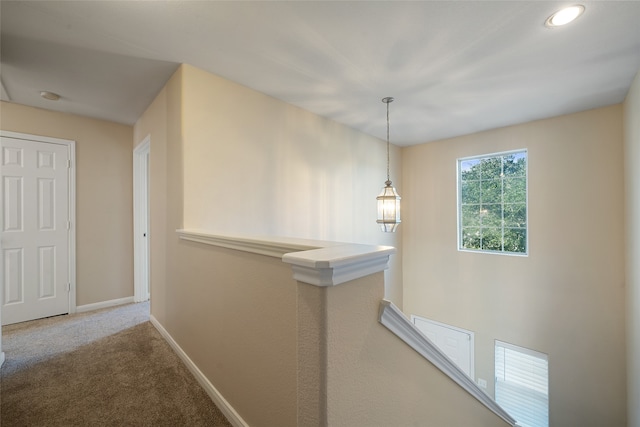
[[388, 179], [387, 100]]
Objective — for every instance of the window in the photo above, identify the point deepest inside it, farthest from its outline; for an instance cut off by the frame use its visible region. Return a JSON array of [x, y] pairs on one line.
[[522, 384], [492, 203]]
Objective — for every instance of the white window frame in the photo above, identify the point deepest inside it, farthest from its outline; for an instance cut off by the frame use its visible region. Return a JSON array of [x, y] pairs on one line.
[[459, 203], [525, 367]]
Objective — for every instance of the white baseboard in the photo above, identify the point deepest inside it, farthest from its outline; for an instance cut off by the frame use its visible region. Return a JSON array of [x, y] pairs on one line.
[[1, 358], [217, 398], [103, 304]]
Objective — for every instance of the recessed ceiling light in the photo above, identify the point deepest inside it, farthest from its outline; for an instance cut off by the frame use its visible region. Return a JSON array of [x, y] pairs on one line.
[[49, 95], [564, 16]]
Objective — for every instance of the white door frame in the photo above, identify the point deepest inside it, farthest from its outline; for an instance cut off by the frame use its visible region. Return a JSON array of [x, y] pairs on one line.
[[71, 146], [141, 220]]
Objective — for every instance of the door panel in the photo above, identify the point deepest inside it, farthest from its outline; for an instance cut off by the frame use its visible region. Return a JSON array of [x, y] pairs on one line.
[[12, 203], [454, 342], [35, 234], [46, 204], [13, 282]]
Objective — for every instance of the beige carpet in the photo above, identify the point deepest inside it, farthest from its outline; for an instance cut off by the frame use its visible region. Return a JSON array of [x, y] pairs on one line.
[[105, 368]]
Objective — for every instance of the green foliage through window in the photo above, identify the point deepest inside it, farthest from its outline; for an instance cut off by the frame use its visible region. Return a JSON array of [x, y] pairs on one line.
[[492, 205]]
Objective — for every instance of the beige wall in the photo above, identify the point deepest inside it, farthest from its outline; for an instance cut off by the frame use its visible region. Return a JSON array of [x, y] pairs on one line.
[[104, 257], [256, 165], [372, 377], [231, 160], [632, 181], [237, 324], [234, 314], [566, 298], [161, 122], [217, 148]]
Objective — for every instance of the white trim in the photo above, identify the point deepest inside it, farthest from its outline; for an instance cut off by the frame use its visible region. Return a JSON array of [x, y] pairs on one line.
[[315, 262], [338, 264], [258, 245], [37, 138], [103, 304], [141, 220], [71, 146], [394, 320], [217, 398], [72, 228], [1, 358]]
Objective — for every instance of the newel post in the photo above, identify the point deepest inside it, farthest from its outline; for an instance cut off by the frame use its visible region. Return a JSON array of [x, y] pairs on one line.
[[323, 306]]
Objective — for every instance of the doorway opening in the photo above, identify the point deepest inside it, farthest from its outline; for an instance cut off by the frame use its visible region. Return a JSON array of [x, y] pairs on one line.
[[141, 220]]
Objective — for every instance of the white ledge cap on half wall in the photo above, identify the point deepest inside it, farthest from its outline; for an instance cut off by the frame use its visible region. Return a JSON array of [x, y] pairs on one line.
[[334, 265], [316, 262]]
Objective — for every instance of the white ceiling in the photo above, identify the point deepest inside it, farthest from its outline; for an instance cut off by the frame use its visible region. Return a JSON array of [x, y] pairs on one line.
[[454, 67]]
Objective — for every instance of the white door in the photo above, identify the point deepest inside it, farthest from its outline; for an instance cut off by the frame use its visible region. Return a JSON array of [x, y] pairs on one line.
[[454, 342], [35, 229]]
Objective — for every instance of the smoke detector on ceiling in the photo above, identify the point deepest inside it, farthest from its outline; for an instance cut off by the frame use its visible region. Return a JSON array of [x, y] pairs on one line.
[[51, 96]]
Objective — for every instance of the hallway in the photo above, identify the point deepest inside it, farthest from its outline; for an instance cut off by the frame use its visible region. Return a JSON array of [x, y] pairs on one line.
[[108, 367]]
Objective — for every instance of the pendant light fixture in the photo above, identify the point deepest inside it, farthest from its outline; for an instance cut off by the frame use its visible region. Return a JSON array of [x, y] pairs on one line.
[[388, 200]]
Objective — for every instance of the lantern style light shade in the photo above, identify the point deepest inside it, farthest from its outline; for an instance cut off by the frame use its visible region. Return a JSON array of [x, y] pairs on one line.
[[389, 199], [388, 209]]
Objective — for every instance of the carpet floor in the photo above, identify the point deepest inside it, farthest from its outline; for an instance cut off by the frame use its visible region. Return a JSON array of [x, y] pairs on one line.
[[109, 367]]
